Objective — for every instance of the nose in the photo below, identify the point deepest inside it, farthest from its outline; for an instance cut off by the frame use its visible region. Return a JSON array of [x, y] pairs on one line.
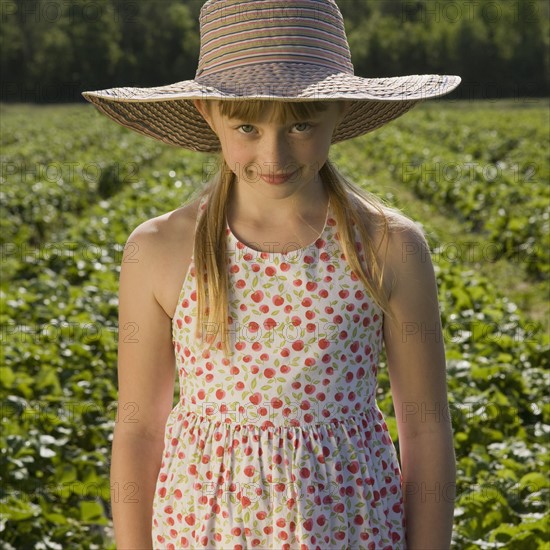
[[276, 154]]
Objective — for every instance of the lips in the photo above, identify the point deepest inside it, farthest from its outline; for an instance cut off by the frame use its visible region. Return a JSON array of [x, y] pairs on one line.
[[274, 179]]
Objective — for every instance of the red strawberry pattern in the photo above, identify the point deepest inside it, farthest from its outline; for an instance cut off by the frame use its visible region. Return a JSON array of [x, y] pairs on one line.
[[282, 445]]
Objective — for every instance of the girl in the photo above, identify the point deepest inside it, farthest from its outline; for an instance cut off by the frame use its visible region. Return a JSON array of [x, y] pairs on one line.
[[272, 294]]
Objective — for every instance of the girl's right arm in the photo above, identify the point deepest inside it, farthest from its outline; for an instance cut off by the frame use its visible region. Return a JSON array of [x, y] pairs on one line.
[[146, 374]]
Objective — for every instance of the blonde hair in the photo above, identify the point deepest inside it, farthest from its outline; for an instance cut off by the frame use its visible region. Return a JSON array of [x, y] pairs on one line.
[[210, 250]]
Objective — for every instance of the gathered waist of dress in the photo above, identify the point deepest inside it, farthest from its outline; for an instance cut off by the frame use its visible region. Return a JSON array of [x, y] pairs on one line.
[[211, 415]]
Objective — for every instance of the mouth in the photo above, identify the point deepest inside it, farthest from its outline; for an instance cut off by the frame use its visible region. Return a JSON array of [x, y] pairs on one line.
[[278, 178]]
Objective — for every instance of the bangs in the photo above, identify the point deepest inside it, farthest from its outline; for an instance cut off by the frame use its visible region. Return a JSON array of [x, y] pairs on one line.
[[282, 111]]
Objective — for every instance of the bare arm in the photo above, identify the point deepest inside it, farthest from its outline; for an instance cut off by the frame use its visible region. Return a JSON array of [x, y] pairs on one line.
[[417, 370], [146, 373]]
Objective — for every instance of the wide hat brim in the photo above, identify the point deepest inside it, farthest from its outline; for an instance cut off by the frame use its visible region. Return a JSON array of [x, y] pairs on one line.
[[167, 113]]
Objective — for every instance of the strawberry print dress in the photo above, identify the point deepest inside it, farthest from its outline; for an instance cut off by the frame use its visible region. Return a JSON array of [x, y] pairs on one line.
[[282, 445]]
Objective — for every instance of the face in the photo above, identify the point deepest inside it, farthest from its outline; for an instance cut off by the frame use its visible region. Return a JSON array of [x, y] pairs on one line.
[[259, 152]]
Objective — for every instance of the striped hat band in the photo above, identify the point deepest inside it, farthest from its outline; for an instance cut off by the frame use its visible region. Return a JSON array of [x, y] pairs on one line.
[[236, 33]]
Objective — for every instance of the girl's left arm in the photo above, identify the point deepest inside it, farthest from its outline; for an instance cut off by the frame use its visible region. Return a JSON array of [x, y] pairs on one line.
[[416, 366]]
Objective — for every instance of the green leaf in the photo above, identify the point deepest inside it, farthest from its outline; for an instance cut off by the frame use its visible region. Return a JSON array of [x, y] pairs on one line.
[[47, 378], [7, 377], [15, 509], [534, 481], [59, 519], [92, 512]]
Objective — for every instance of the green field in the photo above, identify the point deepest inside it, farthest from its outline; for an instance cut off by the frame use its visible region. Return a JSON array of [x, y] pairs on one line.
[[74, 185]]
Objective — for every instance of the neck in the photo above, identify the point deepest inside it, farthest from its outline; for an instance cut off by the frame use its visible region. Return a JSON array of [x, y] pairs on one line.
[[247, 203]]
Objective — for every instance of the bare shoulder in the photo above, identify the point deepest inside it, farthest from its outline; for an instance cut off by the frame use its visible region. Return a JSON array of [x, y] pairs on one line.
[[162, 247], [155, 231], [400, 242]]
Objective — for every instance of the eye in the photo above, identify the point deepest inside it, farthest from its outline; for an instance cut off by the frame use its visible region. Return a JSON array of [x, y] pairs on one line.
[[245, 126], [248, 129], [303, 124]]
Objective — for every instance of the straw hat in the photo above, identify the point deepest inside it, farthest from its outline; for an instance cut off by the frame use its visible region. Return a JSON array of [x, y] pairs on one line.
[[284, 50]]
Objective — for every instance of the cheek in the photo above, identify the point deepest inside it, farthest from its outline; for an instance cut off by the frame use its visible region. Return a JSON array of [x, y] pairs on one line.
[[317, 150], [232, 150], [238, 157]]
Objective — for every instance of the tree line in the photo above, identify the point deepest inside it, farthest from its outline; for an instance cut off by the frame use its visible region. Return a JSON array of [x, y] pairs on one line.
[[52, 50]]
